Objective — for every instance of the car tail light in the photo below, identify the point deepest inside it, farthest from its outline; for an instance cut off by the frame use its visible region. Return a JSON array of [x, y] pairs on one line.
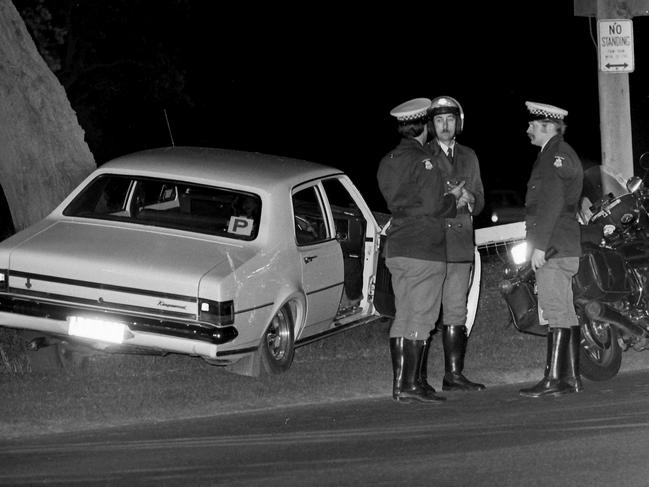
[[216, 312], [4, 280]]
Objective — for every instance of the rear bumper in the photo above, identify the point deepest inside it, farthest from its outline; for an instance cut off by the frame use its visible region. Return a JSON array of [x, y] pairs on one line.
[[136, 339], [136, 322]]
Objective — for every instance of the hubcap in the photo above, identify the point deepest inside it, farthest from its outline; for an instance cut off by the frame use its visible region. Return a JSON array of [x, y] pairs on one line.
[[277, 337]]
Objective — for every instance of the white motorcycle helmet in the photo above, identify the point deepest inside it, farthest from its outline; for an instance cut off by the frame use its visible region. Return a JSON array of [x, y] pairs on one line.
[[446, 104]]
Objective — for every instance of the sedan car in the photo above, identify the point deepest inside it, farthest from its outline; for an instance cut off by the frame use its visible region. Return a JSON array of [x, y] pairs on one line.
[[230, 256], [502, 206]]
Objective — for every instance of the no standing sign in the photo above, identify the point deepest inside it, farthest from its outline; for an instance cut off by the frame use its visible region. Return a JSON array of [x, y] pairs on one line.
[[615, 45]]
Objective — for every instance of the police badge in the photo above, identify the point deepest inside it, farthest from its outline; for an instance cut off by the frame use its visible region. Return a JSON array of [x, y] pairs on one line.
[[428, 164], [558, 161]]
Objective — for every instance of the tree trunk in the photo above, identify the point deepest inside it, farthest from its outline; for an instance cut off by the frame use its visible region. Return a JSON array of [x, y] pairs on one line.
[[43, 154]]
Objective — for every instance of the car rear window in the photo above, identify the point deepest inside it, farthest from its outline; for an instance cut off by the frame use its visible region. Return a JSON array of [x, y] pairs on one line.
[[169, 204]]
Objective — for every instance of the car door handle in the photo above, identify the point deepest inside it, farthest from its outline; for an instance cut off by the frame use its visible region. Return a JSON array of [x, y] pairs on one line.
[[309, 258]]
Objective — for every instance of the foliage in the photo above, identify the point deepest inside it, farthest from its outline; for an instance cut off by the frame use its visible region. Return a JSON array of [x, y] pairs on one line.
[[116, 64], [13, 356]]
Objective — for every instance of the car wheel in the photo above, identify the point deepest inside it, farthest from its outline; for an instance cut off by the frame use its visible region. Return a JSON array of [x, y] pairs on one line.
[[278, 344]]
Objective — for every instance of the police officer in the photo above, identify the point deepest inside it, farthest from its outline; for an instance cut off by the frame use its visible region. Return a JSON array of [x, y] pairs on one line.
[[457, 163], [551, 204], [414, 190]]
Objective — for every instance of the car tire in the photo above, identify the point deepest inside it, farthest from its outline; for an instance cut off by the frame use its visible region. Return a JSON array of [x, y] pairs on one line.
[[278, 343]]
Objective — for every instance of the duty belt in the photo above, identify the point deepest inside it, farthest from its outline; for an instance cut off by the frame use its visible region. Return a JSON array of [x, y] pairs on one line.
[[404, 212], [568, 210]]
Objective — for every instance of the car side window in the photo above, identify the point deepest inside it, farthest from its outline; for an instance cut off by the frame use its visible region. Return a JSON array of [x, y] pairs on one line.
[[310, 222], [344, 209]]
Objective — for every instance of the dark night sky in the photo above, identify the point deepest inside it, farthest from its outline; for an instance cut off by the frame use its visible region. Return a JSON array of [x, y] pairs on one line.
[[318, 82], [321, 88]]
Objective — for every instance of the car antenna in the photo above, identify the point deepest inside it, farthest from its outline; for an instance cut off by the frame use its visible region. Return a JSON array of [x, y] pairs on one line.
[[171, 136]]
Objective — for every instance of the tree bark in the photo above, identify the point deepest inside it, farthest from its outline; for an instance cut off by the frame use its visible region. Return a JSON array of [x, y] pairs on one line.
[[43, 154]]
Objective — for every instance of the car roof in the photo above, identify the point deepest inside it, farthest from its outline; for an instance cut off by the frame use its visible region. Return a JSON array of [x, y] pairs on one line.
[[212, 165]]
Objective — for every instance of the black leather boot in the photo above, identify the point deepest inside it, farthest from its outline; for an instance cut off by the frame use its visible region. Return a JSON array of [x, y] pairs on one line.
[[455, 339], [553, 383], [548, 354], [422, 376], [573, 377], [410, 390], [396, 352]]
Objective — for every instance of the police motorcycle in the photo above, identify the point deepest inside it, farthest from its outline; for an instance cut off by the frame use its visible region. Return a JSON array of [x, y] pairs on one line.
[[611, 288]]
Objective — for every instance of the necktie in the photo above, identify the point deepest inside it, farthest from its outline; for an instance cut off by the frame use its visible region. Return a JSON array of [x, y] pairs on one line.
[[450, 153]]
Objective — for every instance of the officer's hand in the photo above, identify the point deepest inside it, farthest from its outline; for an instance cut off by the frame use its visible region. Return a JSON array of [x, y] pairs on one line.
[[466, 199], [457, 190], [538, 259], [468, 195]]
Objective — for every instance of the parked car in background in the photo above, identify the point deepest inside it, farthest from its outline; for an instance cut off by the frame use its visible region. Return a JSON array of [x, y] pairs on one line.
[[234, 257], [502, 206]]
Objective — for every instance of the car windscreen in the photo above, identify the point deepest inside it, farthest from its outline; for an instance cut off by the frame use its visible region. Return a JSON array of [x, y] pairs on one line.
[[169, 204]]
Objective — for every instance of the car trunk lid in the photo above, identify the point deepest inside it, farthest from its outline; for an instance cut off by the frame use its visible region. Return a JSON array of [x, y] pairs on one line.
[[114, 265]]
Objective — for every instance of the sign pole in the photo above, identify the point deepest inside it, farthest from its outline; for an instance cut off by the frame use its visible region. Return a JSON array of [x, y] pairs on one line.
[[614, 103]]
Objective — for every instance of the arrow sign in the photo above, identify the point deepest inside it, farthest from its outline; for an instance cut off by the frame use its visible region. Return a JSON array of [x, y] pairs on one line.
[[615, 45]]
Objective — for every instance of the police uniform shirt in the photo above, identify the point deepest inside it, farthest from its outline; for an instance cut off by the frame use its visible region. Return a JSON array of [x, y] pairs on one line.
[[413, 188], [552, 197], [464, 167], [447, 148]]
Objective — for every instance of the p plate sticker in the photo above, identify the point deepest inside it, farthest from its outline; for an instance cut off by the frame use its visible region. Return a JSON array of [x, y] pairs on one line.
[[240, 225]]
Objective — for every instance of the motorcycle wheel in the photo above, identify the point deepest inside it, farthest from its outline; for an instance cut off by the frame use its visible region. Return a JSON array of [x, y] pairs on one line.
[[600, 353]]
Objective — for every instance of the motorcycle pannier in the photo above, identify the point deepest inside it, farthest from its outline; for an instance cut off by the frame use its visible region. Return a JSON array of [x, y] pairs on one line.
[[521, 302], [601, 276]]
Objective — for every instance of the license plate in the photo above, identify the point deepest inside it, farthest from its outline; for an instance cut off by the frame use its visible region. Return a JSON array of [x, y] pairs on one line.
[[96, 329]]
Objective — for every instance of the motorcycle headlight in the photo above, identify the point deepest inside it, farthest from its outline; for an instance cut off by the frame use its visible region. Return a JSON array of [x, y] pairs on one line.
[[509, 272], [519, 253]]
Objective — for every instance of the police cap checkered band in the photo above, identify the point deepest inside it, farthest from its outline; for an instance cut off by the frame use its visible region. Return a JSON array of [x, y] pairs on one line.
[[412, 111], [541, 111]]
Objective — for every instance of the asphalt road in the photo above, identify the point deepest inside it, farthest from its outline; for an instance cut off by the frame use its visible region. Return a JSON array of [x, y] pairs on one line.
[[494, 438]]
